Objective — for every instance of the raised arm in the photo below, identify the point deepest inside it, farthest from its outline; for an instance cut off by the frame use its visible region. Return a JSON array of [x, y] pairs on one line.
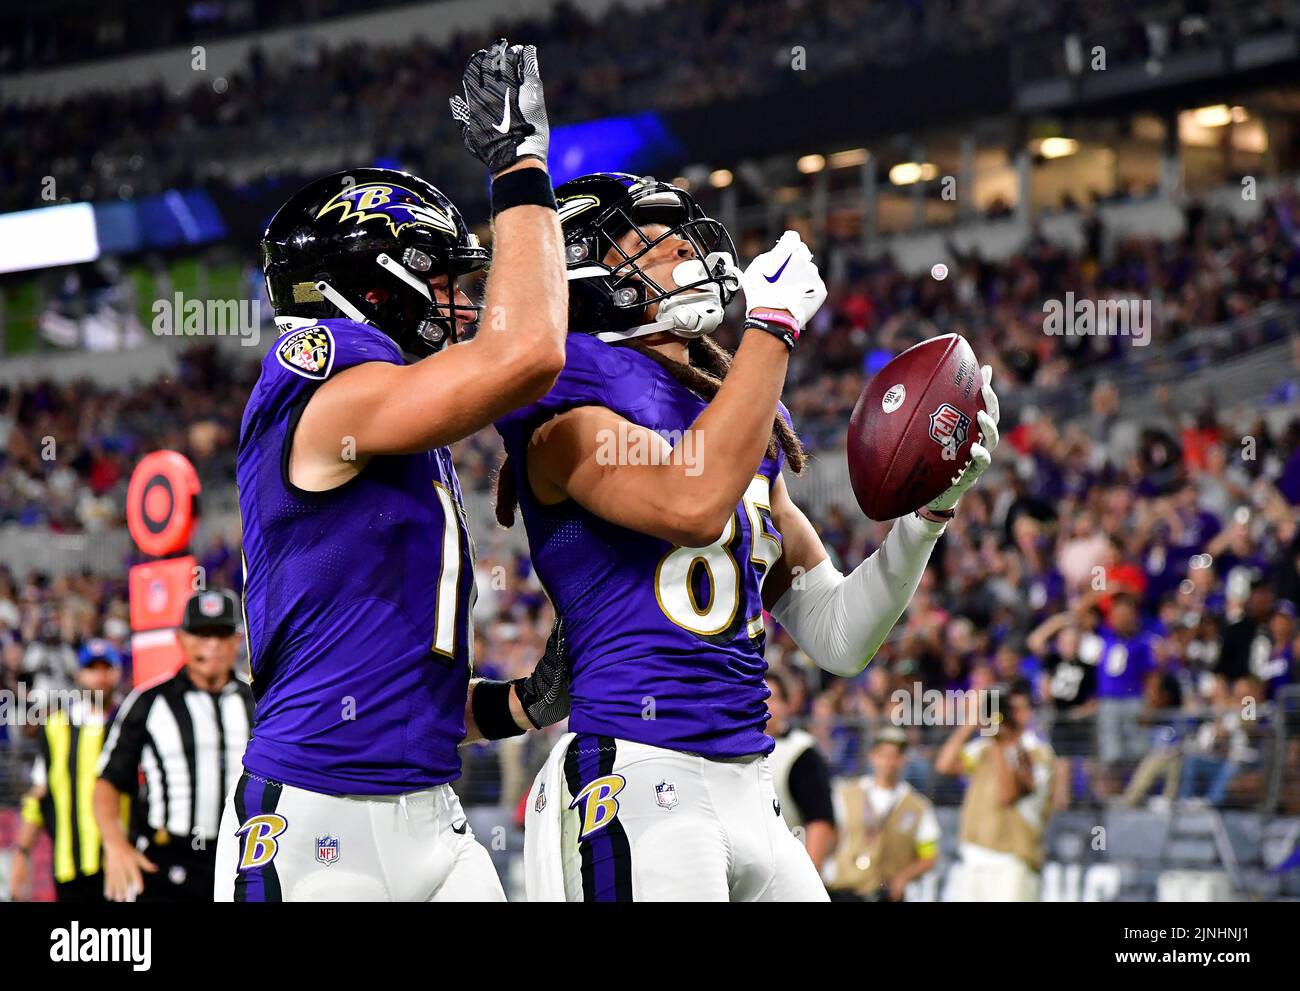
[[1040, 640], [688, 500], [685, 501], [512, 360], [519, 347], [949, 760]]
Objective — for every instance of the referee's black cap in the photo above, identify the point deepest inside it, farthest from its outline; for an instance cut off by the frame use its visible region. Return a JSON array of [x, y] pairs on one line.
[[212, 613]]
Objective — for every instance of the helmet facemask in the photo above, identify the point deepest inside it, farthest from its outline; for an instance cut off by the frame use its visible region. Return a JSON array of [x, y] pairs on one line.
[[692, 304]]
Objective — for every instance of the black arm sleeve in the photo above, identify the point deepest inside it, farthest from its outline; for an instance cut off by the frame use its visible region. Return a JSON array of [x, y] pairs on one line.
[[119, 764], [810, 786]]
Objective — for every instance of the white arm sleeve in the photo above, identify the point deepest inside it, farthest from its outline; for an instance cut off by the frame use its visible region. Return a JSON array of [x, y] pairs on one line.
[[841, 622]]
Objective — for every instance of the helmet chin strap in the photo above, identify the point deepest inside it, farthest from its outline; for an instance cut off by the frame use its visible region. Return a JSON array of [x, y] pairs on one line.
[[342, 302], [688, 315], [350, 309]]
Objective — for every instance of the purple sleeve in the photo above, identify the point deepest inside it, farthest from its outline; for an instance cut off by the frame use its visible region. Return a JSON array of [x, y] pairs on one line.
[[303, 358]]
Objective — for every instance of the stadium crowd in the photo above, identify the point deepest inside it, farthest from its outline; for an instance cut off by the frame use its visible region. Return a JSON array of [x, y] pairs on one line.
[[101, 145], [948, 25], [1142, 576], [67, 449]]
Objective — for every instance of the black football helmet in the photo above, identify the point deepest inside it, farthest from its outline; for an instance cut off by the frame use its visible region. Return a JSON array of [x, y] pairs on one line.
[[341, 236], [608, 295]]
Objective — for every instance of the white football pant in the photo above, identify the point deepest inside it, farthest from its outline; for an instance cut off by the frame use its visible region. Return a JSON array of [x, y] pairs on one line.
[[280, 843], [611, 820]]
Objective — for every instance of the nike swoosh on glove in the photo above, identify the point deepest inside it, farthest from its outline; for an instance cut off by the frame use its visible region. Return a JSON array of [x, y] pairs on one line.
[[785, 278], [502, 113], [981, 453]]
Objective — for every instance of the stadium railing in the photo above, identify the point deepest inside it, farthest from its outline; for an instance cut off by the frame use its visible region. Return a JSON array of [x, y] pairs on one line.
[[1262, 766]]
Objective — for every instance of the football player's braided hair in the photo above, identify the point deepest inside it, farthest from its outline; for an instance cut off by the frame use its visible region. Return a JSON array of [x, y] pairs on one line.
[[703, 375]]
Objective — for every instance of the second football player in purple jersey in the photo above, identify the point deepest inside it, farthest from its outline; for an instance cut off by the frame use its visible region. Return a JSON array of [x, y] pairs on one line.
[[649, 480]]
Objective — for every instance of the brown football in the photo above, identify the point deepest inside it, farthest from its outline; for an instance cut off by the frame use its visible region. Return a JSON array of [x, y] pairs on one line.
[[911, 433]]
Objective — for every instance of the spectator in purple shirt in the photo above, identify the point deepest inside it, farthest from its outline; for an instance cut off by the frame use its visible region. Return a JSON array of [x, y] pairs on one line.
[[1124, 656]]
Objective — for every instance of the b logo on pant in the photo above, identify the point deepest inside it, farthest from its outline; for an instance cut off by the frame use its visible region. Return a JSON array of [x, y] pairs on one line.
[[599, 803], [259, 837]]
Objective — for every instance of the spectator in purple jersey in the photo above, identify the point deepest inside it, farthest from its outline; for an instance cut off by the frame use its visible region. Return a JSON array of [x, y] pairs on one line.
[[1185, 527], [1124, 656]]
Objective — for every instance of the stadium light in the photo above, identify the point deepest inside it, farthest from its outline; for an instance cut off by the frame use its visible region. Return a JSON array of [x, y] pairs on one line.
[[810, 164], [720, 178], [907, 173], [1216, 115], [1057, 147], [48, 237], [849, 157], [681, 182]]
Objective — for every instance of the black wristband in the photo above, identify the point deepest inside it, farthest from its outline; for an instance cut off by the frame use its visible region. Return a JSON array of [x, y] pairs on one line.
[[491, 708], [520, 685], [523, 187], [777, 330]]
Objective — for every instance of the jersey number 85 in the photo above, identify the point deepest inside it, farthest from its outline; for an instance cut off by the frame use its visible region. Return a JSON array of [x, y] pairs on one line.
[[717, 574]]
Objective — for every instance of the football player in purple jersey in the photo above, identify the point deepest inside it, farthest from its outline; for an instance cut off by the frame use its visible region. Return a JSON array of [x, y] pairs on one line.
[[359, 571], [649, 480]]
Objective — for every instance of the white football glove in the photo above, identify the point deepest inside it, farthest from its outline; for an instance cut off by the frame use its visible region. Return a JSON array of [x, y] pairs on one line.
[[784, 278], [981, 452]]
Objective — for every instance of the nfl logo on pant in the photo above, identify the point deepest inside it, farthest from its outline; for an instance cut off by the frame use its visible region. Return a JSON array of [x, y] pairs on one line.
[[327, 849], [666, 794]]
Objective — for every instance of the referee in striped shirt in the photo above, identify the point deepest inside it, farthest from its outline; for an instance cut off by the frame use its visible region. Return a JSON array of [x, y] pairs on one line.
[[186, 734]]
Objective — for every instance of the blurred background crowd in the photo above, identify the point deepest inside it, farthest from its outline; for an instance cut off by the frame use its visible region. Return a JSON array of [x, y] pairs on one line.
[[1175, 536], [1221, 270], [378, 101], [1133, 557]]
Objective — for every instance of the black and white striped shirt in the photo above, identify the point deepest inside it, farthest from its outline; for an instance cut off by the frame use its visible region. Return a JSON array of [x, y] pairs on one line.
[[189, 743]]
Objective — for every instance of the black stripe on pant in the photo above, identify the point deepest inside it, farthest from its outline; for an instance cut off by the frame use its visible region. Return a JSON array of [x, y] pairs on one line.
[[256, 797], [606, 852]]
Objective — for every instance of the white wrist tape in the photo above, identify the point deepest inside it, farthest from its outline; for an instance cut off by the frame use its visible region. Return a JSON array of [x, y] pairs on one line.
[[841, 622]]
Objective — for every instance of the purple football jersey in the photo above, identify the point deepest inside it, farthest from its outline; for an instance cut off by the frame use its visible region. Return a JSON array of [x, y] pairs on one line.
[[1123, 665], [357, 599], [666, 643]]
